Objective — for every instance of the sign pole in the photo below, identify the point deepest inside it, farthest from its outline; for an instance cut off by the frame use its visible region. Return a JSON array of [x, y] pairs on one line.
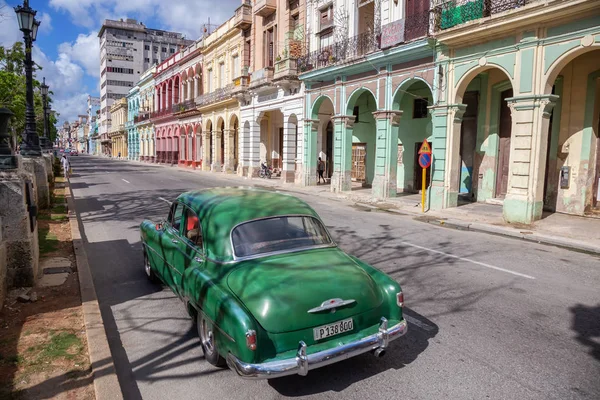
[[423, 190]]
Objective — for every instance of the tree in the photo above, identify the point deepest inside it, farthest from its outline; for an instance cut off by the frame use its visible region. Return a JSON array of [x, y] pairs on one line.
[[13, 91]]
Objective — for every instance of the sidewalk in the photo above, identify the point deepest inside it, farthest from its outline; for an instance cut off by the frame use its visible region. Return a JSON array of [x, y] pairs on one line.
[[569, 231]]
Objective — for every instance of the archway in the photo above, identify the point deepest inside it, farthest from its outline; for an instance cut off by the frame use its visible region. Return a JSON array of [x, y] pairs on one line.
[[234, 143], [412, 97], [322, 111], [289, 148], [208, 151], [198, 149], [361, 105], [574, 135], [246, 162], [220, 144], [481, 136]]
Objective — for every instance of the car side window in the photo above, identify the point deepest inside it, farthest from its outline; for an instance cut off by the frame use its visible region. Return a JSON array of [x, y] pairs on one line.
[[176, 215], [192, 230]]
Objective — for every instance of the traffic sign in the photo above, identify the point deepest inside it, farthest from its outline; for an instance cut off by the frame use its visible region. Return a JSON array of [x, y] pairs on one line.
[[425, 148], [425, 160]]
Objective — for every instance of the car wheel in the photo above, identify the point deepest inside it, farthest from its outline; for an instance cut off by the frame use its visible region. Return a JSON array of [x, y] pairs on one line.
[[207, 340], [148, 269]]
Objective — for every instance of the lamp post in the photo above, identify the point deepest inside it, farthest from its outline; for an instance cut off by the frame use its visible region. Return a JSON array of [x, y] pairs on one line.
[[29, 26], [45, 140]]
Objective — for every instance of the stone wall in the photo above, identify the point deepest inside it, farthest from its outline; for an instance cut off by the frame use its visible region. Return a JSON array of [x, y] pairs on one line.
[[3, 283]]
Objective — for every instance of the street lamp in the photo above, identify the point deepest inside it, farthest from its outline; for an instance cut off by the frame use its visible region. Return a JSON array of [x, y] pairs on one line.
[[29, 26], [45, 140]]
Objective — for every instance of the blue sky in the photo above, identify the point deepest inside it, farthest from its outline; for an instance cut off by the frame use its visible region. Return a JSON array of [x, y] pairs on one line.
[[67, 42]]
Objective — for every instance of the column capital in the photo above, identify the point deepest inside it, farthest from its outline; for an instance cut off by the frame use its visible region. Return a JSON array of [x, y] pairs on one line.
[[527, 103], [347, 120], [393, 116], [313, 123]]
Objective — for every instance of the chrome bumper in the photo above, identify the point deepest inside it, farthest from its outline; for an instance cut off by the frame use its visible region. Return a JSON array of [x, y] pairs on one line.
[[302, 363]]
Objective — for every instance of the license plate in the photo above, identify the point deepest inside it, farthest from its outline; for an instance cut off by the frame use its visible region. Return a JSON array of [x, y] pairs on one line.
[[326, 331]]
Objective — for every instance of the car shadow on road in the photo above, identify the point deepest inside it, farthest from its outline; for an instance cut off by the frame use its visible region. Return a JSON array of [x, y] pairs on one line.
[[337, 377], [586, 323]]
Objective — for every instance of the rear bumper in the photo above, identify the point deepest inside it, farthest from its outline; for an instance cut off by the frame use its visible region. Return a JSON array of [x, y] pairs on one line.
[[302, 363]]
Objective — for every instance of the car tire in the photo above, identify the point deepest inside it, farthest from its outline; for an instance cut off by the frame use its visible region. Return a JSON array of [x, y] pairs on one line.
[[148, 269], [208, 343]]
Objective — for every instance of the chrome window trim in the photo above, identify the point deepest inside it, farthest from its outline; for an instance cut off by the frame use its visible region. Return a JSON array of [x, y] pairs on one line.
[[272, 253]]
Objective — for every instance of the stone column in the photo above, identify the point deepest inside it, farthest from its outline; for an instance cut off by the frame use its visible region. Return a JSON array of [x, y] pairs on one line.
[[254, 147], [309, 164], [244, 150], [342, 153], [530, 121], [289, 151], [206, 161], [36, 166], [216, 161], [19, 228], [228, 137], [386, 154]]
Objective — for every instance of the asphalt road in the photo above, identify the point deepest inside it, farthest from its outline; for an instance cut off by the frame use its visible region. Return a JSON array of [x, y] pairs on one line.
[[489, 317]]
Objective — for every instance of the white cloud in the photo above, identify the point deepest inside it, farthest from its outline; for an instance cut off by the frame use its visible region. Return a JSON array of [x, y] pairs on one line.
[[46, 23], [80, 10], [9, 33], [85, 51]]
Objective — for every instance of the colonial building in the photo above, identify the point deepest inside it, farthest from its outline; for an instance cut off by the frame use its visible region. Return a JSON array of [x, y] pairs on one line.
[[117, 132], [142, 120], [272, 104], [222, 54], [517, 121], [133, 108], [369, 77]]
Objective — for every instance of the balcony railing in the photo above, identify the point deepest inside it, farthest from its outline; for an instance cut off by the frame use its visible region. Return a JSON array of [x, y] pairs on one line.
[[129, 124], [264, 8], [160, 113], [242, 82], [456, 12], [183, 106], [340, 52], [142, 116], [261, 77], [215, 96], [287, 67], [243, 16]]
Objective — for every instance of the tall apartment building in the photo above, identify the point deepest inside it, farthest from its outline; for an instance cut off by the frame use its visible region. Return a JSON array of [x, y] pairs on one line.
[[127, 49]]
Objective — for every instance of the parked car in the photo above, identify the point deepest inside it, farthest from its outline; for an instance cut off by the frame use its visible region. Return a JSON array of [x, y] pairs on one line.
[[270, 292]]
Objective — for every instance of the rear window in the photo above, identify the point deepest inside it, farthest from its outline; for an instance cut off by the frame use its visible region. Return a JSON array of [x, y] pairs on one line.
[[278, 234]]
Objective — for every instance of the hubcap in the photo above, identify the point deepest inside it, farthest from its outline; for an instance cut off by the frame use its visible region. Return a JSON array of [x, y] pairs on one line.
[[206, 335]]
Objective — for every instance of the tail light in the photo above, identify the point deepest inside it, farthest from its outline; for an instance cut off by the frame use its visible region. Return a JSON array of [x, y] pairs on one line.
[[400, 299], [251, 339]]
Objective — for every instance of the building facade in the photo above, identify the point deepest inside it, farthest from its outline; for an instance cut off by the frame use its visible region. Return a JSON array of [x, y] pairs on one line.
[[118, 133], [127, 49], [517, 121], [272, 105], [133, 108], [142, 120], [369, 77], [93, 110]]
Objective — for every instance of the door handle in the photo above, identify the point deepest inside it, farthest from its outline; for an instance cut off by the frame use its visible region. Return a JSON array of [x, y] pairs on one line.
[[174, 241], [198, 259]]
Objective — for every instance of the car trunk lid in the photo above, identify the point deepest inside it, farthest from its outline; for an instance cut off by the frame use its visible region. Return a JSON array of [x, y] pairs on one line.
[[280, 290]]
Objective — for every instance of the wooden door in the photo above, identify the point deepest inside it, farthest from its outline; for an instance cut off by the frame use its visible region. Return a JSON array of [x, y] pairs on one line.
[[359, 162], [505, 128]]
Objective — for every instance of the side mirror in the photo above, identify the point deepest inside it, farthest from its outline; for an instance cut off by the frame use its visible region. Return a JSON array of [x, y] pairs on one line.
[[159, 226]]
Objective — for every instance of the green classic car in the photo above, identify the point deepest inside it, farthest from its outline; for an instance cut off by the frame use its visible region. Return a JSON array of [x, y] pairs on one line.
[[271, 293]]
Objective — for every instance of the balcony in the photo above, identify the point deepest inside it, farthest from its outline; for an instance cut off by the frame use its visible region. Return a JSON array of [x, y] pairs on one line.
[[160, 113], [128, 124], [141, 117], [457, 12], [243, 16], [188, 105], [286, 68], [405, 30], [241, 83], [264, 8], [261, 77], [215, 96], [346, 51]]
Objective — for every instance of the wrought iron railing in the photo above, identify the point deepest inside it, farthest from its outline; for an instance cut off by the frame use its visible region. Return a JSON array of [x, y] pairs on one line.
[[183, 106], [456, 12], [340, 52], [417, 26], [160, 113], [217, 95], [142, 116]]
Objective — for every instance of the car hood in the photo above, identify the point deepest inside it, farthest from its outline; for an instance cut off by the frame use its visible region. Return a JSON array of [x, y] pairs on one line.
[[280, 290]]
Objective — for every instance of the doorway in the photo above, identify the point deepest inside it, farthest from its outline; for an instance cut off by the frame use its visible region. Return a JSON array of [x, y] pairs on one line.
[[359, 162], [468, 142], [329, 150], [505, 128], [280, 152]]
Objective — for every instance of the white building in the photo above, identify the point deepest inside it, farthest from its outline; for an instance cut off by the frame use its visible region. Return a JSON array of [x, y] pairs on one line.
[[127, 49]]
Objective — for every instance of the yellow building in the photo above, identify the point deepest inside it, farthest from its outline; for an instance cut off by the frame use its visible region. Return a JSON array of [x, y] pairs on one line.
[[222, 67], [117, 132]]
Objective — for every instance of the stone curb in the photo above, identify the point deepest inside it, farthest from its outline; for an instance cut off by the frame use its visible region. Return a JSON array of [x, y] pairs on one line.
[[571, 244], [106, 384]]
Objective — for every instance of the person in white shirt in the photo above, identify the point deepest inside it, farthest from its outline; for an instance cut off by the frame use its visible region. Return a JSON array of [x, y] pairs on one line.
[[65, 164]]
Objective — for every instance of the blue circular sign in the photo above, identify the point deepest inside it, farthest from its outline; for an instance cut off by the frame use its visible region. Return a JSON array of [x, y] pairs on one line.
[[425, 160]]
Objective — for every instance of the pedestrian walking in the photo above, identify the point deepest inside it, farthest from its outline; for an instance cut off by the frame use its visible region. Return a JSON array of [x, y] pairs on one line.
[[119, 156], [320, 170], [66, 165]]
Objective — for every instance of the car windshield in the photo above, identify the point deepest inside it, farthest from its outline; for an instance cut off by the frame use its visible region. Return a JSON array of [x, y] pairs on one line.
[[278, 234]]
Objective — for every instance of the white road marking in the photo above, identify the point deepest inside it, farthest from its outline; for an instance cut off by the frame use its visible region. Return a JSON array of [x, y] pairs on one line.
[[165, 200], [125, 180], [508, 271], [414, 321]]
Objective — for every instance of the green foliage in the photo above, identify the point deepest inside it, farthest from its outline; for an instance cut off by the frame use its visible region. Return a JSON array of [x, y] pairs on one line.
[[13, 91]]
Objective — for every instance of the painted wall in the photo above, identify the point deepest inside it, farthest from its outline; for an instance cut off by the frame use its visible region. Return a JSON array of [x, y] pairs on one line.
[[411, 130]]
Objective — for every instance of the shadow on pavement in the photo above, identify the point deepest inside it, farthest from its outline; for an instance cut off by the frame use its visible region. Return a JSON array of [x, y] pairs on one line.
[[586, 323]]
